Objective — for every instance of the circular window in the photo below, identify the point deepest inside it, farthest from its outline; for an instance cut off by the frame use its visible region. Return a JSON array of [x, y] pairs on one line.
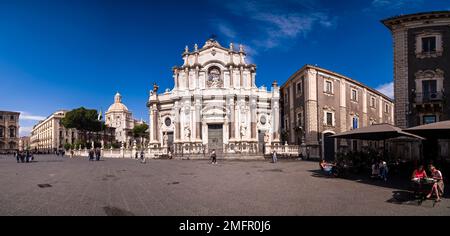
[[263, 120], [167, 122]]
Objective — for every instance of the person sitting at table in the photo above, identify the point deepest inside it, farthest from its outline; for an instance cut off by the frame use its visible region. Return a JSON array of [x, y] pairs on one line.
[[327, 167], [419, 173], [438, 186]]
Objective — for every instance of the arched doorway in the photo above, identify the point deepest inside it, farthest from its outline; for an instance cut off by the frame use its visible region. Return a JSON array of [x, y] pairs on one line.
[[329, 146]]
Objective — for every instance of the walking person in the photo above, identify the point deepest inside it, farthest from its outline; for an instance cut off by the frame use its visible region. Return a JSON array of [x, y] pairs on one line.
[[170, 155], [213, 157], [27, 156], [98, 153], [71, 153], [91, 155], [16, 154], [143, 160], [383, 170], [274, 157]]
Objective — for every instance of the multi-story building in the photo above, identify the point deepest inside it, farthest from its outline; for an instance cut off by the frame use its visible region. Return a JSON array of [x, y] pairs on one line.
[[9, 131], [24, 143], [421, 76], [49, 135], [214, 105], [421, 67], [317, 103], [119, 117]]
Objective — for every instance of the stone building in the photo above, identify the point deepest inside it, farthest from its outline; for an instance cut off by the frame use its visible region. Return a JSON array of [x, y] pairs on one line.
[[317, 103], [9, 131], [215, 104], [119, 117], [50, 135], [24, 143], [421, 45]]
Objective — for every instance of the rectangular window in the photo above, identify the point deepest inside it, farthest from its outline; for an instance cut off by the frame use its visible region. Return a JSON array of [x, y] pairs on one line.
[[386, 108], [299, 88], [429, 119], [299, 119], [1, 117], [429, 44], [329, 119], [11, 117], [12, 133], [372, 102], [354, 95], [329, 87], [355, 122], [1, 132]]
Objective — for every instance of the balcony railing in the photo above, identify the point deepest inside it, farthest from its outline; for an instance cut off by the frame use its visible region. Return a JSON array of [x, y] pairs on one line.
[[421, 98]]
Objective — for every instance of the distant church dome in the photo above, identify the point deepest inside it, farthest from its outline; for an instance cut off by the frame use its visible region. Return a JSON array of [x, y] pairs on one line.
[[117, 106]]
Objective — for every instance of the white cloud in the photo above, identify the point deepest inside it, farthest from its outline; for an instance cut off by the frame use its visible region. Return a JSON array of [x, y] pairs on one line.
[[387, 89], [395, 4], [226, 30], [277, 23], [27, 116], [25, 130]]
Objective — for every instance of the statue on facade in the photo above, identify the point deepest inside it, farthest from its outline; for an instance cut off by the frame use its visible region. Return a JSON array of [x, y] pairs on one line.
[[243, 130], [165, 139], [155, 88], [267, 137], [187, 132]]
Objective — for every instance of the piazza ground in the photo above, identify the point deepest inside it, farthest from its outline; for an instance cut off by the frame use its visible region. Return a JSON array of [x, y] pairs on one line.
[[63, 186]]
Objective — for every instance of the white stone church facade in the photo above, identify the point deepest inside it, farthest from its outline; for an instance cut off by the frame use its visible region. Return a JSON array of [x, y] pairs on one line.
[[214, 105]]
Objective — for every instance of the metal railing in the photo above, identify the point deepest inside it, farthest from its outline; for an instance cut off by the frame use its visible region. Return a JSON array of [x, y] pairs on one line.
[[428, 97]]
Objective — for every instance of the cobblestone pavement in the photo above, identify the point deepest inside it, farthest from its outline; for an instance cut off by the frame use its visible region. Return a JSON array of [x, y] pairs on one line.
[[62, 186]]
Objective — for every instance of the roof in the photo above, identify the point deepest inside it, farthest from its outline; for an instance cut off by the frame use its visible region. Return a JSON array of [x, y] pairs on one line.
[[307, 66], [438, 130], [117, 106], [389, 22], [376, 132]]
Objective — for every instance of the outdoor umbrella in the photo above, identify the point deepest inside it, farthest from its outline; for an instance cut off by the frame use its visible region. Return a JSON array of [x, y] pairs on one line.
[[438, 130], [376, 132]]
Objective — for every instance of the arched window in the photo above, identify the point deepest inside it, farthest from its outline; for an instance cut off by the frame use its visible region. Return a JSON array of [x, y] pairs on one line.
[[214, 79]]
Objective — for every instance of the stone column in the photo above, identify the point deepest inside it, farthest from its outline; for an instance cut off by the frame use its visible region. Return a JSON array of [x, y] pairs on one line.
[[253, 118], [401, 85], [231, 76], [177, 122], [231, 125], [275, 105], [198, 120]]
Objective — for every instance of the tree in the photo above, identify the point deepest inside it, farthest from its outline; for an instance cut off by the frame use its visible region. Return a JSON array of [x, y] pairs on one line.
[[82, 119], [140, 131]]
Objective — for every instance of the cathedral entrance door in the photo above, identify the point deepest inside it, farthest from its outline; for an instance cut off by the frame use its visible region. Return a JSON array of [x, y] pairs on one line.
[[215, 138], [261, 144], [170, 140]]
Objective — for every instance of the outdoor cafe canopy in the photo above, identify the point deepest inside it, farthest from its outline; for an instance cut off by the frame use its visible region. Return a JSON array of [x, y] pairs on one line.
[[438, 130], [376, 132]]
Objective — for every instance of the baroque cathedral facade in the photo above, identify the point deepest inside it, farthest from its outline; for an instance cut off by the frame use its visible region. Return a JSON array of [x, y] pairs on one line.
[[214, 105]]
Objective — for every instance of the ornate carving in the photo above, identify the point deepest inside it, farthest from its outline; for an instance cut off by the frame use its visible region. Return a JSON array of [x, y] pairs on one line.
[[187, 132], [243, 130], [429, 74], [214, 78]]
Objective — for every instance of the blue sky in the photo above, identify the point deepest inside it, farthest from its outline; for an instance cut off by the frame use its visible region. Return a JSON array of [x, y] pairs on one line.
[[66, 54]]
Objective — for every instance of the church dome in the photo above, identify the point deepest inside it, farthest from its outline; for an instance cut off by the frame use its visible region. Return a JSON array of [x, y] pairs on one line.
[[117, 106]]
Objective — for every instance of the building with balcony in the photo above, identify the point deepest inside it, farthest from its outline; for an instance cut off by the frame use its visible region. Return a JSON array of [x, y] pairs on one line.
[[421, 67], [317, 103], [421, 45], [9, 131]]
